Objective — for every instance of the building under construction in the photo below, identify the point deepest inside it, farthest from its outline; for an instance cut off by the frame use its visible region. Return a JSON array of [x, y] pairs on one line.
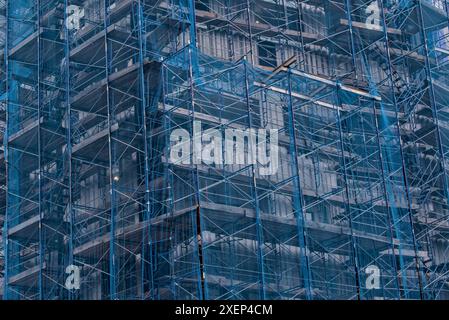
[[91, 91]]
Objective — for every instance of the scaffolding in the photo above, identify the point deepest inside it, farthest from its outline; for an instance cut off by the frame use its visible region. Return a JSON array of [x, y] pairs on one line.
[[92, 90], [2, 136]]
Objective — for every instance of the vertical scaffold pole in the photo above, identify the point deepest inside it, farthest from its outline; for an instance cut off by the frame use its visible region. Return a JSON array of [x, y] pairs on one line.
[[5, 143], [112, 193], [252, 167], [298, 201], [39, 102], [69, 138], [146, 237]]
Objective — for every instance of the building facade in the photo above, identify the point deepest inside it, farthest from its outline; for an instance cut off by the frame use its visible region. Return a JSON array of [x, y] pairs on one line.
[[95, 207]]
